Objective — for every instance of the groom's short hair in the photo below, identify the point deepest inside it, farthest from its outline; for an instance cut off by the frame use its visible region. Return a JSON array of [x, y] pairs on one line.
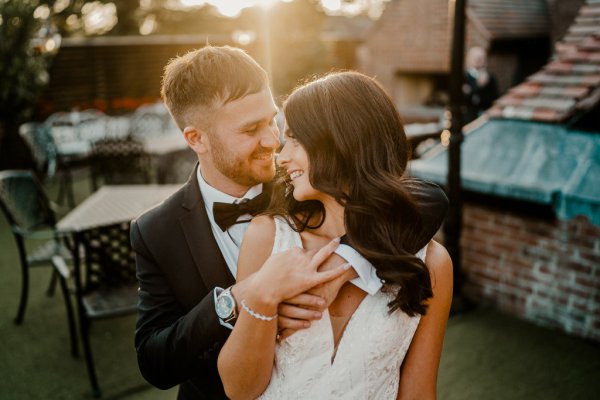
[[207, 77]]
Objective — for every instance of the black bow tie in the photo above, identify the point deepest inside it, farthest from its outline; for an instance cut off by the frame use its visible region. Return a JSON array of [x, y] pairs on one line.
[[226, 214]]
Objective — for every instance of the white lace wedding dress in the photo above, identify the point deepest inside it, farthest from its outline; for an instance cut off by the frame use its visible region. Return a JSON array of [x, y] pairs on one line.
[[369, 354]]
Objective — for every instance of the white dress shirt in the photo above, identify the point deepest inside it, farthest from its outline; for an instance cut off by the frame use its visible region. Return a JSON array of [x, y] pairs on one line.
[[229, 241]]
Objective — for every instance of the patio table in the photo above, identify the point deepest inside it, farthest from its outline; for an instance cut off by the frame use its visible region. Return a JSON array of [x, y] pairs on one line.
[[112, 205], [108, 206]]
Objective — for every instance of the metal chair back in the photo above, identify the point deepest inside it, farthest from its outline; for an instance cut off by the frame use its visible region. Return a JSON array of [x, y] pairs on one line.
[[148, 124], [43, 149], [120, 161], [109, 258], [24, 202]]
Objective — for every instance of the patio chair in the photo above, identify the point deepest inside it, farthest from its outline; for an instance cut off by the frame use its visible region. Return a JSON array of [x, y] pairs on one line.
[[28, 211], [48, 162], [72, 134], [119, 161], [147, 123], [105, 282], [42, 148]]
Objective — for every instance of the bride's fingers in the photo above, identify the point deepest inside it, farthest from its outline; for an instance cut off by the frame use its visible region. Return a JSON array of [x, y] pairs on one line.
[[295, 312], [285, 333], [324, 252], [307, 300], [291, 323], [327, 276]]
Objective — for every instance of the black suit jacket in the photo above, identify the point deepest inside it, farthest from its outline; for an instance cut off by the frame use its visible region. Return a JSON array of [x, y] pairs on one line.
[[178, 335]]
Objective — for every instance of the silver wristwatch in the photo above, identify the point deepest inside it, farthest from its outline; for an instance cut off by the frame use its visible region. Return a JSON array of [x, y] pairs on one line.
[[226, 306]]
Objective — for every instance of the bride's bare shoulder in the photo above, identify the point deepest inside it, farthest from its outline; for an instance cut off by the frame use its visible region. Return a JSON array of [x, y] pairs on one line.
[[257, 245], [440, 264]]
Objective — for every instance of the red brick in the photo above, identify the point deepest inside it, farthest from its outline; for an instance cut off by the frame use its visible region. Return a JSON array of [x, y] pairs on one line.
[[588, 229], [587, 283], [515, 261], [585, 307], [591, 257], [490, 231], [476, 216], [544, 269], [555, 246], [537, 254], [525, 238], [525, 276], [512, 224], [520, 286], [585, 242], [576, 292], [485, 253], [578, 266], [485, 275]]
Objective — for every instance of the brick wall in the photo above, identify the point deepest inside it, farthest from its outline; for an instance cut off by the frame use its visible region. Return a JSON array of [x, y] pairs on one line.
[[411, 35], [543, 270]]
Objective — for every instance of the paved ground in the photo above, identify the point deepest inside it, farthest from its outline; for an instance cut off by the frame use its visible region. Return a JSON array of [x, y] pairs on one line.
[[487, 355]]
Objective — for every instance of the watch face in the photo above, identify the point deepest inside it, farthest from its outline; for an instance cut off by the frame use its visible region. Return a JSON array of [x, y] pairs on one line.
[[224, 306]]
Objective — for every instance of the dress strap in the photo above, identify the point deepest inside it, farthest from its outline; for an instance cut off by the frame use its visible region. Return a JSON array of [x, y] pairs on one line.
[[422, 253], [285, 236]]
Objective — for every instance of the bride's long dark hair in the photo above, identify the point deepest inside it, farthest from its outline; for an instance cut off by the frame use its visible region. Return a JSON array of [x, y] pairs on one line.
[[357, 152]]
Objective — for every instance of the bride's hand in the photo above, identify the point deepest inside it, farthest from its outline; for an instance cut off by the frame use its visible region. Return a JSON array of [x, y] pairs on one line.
[[296, 313], [287, 274]]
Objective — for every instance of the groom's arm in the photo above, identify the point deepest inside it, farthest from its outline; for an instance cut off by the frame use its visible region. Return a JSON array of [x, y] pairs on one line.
[[172, 345]]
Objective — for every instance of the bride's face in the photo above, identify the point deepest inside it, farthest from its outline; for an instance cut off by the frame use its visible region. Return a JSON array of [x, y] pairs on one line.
[[293, 159]]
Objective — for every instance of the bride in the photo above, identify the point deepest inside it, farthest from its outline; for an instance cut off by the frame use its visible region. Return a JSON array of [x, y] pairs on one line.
[[344, 159]]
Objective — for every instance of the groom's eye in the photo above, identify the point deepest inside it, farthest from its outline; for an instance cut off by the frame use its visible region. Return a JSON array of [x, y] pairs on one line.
[[251, 129]]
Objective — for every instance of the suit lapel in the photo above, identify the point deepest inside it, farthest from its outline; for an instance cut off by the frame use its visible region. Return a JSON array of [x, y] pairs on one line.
[[202, 244]]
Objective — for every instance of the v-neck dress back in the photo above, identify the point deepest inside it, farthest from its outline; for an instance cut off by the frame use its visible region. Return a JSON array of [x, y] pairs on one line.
[[368, 357]]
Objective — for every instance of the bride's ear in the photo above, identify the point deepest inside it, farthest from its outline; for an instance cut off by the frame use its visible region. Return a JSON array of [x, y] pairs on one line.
[[196, 139]]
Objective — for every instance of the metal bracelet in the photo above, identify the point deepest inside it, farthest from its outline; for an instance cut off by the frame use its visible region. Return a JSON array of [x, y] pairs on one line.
[[257, 315]]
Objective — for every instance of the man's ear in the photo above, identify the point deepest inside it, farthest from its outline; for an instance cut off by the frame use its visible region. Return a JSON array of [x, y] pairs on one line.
[[197, 139]]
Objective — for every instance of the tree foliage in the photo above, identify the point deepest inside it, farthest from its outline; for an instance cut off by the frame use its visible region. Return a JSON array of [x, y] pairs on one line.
[[23, 70]]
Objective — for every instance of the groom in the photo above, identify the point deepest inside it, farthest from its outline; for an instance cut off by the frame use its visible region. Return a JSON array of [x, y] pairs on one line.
[[187, 247]]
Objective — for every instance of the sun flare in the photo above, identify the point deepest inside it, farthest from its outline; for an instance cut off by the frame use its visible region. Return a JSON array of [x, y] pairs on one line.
[[232, 8]]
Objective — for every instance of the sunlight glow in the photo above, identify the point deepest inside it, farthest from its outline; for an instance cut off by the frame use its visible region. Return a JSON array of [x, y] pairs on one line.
[[98, 18], [243, 38], [331, 5], [192, 3], [60, 5], [233, 8], [41, 12], [149, 25]]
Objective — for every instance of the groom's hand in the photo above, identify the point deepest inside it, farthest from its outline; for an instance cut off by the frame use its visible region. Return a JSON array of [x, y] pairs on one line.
[[297, 313]]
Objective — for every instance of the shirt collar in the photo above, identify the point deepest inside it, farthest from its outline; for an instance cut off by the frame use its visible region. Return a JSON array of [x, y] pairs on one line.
[[211, 195]]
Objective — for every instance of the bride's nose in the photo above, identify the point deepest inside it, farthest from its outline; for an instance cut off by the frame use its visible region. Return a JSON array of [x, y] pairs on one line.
[[283, 156]]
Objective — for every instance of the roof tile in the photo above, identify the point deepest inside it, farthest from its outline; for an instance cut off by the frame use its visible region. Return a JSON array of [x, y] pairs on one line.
[[511, 18], [569, 82]]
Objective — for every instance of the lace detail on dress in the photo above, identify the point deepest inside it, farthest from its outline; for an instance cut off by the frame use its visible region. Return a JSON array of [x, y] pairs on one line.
[[369, 355]]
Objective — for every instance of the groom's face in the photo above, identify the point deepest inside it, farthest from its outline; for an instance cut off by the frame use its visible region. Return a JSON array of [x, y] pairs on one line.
[[243, 138]]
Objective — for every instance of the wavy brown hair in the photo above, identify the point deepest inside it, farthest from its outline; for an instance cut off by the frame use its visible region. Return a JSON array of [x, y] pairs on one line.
[[357, 152]]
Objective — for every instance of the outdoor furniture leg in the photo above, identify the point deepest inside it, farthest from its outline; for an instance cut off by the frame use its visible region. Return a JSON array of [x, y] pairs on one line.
[[89, 360], [84, 323], [66, 189], [71, 318], [52, 284], [24, 281]]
